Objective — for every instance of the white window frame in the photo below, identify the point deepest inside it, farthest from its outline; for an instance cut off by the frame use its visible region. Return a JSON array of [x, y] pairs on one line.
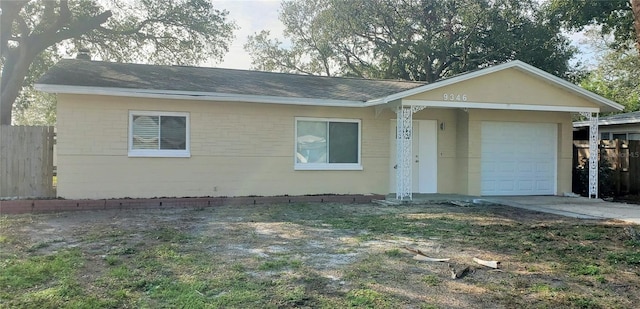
[[327, 166], [163, 153]]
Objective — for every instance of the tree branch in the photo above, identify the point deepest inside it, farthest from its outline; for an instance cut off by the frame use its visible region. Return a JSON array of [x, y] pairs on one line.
[[10, 11], [130, 31], [43, 40]]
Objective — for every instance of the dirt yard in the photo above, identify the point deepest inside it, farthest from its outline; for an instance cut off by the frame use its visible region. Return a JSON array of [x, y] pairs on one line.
[[316, 255]]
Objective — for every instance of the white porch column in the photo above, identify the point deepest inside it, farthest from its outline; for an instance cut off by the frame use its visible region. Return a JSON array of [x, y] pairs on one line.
[[593, 153], [404, 149]]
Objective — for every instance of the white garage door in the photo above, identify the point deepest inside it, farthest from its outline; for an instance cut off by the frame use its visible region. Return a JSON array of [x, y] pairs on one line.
[[519, 158]]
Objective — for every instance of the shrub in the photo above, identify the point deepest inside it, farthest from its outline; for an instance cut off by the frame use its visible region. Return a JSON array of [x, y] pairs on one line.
[[606, 181]]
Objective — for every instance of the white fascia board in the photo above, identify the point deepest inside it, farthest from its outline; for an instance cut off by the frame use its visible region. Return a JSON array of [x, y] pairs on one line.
[[569, 86], [517, 64], [503, 106], [194, 95]]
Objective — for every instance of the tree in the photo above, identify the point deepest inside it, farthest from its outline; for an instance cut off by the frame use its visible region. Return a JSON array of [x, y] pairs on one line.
[[635, 7], [616, 78], [613, 16], [35, 33], [422, 40]]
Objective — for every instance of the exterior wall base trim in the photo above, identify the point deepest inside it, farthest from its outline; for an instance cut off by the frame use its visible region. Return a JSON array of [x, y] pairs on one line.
[[59, 205]]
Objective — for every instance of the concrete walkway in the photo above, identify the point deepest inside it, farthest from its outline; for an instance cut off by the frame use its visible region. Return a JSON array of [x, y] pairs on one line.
[[575, 207]]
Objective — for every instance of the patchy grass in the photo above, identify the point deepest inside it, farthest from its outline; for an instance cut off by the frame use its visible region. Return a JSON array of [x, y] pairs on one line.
[[315, 255]]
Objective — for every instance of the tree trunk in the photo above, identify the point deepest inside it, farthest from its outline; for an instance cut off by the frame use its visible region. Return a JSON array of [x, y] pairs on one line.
[[15, 69], [635, 7]]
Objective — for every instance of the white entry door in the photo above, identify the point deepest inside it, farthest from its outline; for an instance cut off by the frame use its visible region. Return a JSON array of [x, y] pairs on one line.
[[518, 158], [424, 156]]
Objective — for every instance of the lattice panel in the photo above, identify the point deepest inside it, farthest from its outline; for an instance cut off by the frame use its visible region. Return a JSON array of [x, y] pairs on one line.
[[593, 153]]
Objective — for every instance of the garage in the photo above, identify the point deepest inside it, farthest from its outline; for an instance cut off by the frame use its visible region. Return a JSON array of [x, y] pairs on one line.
[[519, 158]]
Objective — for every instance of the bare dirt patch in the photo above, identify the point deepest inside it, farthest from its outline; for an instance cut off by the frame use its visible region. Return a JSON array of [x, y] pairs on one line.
[[322, 255]]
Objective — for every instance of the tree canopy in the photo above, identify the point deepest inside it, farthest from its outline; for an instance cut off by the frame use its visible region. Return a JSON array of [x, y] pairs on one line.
[[613, 16], [422, 40], [616, 75], [35, 33]]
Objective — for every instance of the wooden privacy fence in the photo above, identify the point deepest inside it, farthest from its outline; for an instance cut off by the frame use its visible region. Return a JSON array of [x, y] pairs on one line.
[[26, 161], [623, 158]]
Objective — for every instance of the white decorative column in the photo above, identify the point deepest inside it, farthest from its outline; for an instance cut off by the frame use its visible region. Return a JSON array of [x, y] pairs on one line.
[[593, 153], [404, 148]]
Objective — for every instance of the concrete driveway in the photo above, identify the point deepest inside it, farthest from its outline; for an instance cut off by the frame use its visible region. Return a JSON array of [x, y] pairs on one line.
[[576, 207]]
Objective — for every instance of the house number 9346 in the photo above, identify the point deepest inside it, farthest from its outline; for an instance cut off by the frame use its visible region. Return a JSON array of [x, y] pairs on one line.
[[455, 97]]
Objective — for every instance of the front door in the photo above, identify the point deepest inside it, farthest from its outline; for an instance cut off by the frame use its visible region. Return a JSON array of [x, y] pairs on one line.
[[424, 157]]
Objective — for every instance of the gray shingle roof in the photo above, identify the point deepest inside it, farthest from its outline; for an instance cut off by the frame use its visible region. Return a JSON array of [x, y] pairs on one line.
[[73, 72]]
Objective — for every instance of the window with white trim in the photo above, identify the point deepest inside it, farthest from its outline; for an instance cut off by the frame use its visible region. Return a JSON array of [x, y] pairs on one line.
[[158, 134], [327, 144]]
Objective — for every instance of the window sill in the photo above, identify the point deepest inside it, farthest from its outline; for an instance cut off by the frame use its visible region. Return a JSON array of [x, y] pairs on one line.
[[159, 154], [328, 167]]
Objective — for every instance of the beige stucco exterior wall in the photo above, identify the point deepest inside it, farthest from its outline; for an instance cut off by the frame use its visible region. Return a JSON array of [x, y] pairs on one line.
[[237, 149], [240, 149], [447, 146], [462, 160], [507, 86]]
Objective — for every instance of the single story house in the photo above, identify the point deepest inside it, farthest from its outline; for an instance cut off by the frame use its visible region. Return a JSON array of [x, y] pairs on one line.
[[618, 126], [133, 130]]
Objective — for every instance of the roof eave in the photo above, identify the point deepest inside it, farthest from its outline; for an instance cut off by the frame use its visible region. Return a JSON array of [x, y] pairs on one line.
[[194, 95]]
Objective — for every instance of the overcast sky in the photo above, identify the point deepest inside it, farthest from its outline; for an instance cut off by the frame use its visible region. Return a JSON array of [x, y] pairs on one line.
[[252, 16]]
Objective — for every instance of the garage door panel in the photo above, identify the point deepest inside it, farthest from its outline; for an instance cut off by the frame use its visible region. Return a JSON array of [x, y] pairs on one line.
[[518, 158]]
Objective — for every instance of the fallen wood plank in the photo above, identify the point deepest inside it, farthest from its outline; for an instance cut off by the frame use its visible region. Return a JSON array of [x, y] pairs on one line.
[[419, 257], [414, 251], [492, 264]]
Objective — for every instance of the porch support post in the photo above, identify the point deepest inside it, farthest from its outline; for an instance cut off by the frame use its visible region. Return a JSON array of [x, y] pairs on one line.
[[404, 149], [593, 153]]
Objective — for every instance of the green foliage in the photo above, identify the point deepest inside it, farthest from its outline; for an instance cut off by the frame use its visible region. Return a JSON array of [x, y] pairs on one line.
[[616, 78], [39, 270], [393, 253], [431, 280], [366, 298], [410, 40], [184, 32], [586, 270], [606, 183], [628, 257], [613, 16], [278, 264]]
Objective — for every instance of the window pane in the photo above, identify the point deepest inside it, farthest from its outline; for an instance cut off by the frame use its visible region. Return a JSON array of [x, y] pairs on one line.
[[343, 142], [173, 132], [145, 132], [620, 137], [604, 136], [311, 143]]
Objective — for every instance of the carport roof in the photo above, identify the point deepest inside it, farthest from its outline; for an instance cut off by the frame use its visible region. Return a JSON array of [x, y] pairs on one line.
[[625, 118]]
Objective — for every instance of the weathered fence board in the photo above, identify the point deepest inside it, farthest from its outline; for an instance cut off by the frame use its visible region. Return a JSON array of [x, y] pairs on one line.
[[623, 158], [26, 161]]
